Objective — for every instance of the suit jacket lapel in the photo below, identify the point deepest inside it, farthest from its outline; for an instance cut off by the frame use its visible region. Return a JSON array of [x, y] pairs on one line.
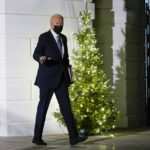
[[64, 43]]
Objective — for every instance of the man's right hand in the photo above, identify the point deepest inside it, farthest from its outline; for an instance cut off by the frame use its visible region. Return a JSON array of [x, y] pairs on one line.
[[42, 59]]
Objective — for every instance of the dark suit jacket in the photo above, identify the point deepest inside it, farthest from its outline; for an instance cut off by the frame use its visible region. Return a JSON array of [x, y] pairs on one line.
[[50, 72]]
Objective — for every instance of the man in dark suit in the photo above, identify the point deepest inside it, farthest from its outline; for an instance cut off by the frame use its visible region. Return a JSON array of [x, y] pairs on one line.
[[51, 53]]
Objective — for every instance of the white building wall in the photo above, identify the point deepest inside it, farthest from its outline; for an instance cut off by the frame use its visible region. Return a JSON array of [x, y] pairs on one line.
[[119, 58], [21, 23]]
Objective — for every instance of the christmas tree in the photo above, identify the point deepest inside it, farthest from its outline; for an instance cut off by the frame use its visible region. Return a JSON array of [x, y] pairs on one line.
[[91, 94]]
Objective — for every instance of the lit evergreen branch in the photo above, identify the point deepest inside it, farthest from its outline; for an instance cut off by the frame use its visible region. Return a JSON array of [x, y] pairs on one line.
[[86, 6]]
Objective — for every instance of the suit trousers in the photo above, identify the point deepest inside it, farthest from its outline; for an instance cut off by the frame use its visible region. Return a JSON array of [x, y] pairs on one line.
[[62, 96]]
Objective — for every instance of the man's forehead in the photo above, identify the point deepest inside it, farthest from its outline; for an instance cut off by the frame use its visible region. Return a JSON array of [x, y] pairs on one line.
[[57, 18]]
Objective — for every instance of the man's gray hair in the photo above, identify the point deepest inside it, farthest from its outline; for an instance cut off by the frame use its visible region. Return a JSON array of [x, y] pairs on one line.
[[51, 19]]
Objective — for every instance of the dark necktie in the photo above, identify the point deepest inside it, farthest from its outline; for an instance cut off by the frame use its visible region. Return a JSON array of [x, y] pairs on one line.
[[59, 44]]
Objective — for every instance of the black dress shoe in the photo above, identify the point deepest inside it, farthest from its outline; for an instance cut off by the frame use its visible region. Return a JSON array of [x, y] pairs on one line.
[[78, 140], [38, 141]]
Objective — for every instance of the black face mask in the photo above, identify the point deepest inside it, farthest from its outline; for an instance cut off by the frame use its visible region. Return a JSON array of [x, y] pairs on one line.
[[58, 29]]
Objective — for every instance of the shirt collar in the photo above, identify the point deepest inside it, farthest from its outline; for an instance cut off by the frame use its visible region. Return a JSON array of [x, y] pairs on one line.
[[54, 34]]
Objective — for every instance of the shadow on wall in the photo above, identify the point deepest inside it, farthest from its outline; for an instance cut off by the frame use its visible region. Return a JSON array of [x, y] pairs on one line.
[[120, 81]]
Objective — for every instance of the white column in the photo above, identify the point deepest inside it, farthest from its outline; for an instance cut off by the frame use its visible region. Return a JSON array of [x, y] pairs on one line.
[[3, 94]]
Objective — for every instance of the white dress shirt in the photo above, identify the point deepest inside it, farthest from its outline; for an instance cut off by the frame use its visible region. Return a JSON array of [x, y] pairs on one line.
[[55, 36]]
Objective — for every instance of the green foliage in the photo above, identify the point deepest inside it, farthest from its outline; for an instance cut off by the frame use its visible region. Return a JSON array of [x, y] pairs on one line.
[[91, 94]]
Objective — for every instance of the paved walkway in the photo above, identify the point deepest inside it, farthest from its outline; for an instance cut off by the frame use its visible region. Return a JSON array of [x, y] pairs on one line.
[[123, 140]]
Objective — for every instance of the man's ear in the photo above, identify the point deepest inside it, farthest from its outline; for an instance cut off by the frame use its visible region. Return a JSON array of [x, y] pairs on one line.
[[51, 26]]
